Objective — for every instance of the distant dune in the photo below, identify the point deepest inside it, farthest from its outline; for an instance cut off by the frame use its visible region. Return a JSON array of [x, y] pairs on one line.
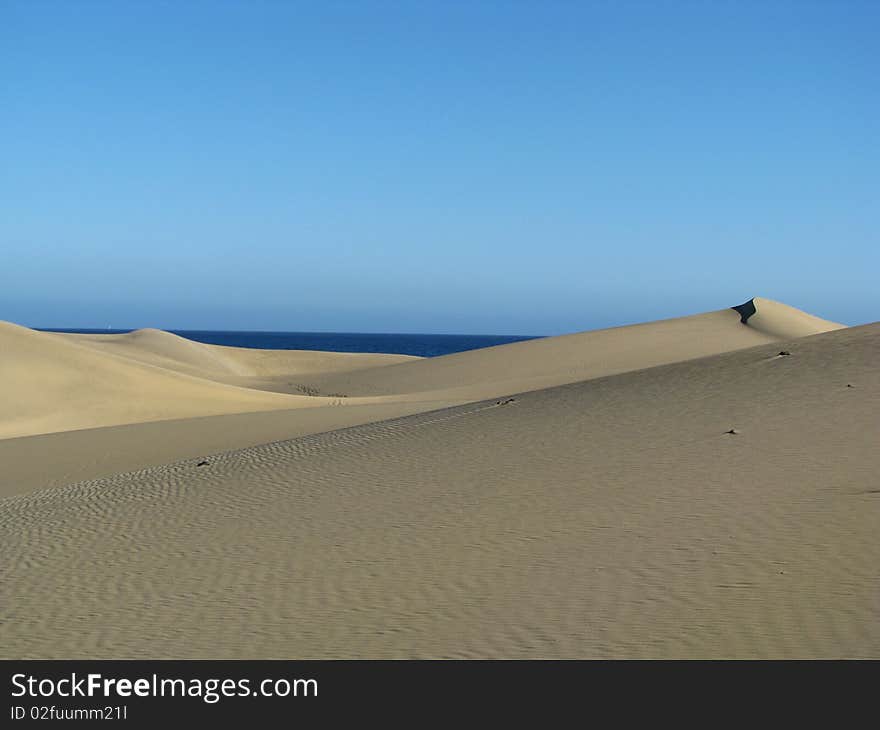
[[58, 382], [696, 487]]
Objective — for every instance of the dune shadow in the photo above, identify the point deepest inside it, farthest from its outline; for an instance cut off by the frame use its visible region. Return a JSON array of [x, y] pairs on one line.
[[745, 310]]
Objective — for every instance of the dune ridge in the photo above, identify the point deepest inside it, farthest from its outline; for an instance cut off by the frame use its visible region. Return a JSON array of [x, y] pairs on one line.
[[776, 319]]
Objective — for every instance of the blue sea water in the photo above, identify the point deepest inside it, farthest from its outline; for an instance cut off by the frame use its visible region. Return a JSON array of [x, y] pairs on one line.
[[403, 344]]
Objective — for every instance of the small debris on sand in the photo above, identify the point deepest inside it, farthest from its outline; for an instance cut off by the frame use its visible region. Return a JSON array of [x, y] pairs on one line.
[[203, 462], [733, 431]]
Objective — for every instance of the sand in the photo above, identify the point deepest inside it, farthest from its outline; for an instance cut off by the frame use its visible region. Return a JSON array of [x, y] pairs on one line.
[[52, 382], [600, 508], [58, 382]]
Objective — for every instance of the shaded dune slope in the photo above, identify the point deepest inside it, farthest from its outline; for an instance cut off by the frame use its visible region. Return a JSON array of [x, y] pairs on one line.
[[54, 459]]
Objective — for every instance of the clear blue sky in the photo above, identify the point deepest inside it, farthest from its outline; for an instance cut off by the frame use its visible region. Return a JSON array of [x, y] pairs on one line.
[[504, 167]]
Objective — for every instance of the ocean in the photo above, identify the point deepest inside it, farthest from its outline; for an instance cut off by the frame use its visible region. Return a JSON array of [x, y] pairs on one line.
[[402, 344]]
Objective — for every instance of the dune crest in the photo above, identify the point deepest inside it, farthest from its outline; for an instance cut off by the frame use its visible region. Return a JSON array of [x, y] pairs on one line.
[[780, 320], [165, 349]]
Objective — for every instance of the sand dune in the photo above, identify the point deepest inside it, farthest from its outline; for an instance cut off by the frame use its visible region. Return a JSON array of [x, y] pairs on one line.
[[55, 459], [58, 382], [55, 382], [778, 320], [533, 364], [225, 364], [674, 489], [612, 517], [52, 384]]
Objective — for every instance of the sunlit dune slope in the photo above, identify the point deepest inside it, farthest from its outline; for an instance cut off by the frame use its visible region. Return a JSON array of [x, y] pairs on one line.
[[49, 383], [532, 364]]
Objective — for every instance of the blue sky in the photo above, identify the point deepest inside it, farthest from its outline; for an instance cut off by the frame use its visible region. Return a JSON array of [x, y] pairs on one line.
[[504, 167]]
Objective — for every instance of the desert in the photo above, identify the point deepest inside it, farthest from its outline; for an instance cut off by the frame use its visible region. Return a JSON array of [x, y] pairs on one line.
[[700, 487]]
